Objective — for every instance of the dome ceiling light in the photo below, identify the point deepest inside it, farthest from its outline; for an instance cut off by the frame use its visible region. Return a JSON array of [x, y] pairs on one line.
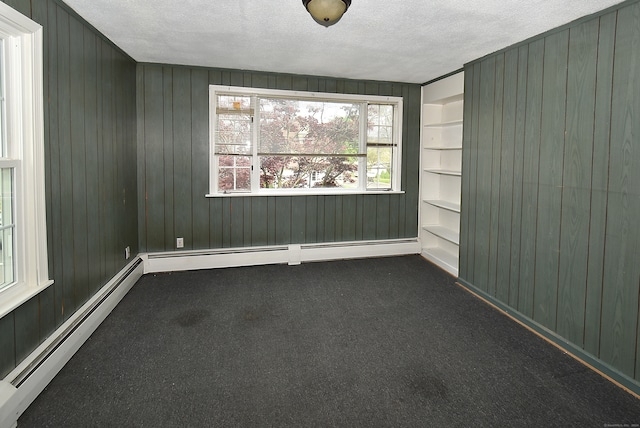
[[326, 12]]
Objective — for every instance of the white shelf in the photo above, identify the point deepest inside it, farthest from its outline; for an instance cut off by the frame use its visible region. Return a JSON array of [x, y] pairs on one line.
[[442, 258], [443, 148], [443, 232], [456, 122], [443, 171], [441, 164], [447, 205]]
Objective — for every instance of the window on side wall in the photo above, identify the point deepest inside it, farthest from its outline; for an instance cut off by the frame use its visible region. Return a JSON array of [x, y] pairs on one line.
[[23, 246], [271, 142]]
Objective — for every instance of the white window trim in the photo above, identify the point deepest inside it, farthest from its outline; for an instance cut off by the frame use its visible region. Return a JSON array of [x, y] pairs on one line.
[[23, 37], [240, 90]]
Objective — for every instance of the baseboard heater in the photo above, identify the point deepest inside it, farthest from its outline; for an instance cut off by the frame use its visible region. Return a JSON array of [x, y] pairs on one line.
[[20, 387], [292, 254]]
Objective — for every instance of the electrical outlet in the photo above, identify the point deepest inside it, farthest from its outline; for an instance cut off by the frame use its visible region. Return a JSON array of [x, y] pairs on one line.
[[127, 253], [179, 242]]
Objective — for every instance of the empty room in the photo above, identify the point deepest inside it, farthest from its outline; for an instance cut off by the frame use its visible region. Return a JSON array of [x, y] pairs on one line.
[[319, 213]]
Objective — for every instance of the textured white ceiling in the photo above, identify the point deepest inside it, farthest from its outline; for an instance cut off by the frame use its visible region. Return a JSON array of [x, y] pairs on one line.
[[396, 40]]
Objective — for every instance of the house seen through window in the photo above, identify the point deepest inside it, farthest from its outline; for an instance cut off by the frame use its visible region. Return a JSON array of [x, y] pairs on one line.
[[266, 141]]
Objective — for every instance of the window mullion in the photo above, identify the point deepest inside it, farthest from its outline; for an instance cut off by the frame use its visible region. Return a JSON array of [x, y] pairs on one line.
[[362, 160], [255, 134], [213, 157]]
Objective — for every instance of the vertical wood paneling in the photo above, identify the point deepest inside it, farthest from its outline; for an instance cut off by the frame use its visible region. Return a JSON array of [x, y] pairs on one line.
[[215, 223], [258, 221], [90, 147], [154, 192], [394, 218], [226, 224], [599, 182], [382, 217], [78, 163], [7, 344], [319, 218], [518, 176], [236, 222], [271, 217], [349, 217], [329, 218], [282, 220], [496, 170], [182, 155], [94, 227], [369, 212], [550, 178], [483, 174], [200, 160], [568, 244], [574, 239], [54, 196], [247, 225], [128, 82], [101, 140], [411, 158], [311, 221], [338, 217], [244, 221], [360, 217], [167, 139], [46, 313], [109, 152], [530, 176], [140, 154], [298, 224], [66, 179], [509, 95], [27, 332], [618, 340]]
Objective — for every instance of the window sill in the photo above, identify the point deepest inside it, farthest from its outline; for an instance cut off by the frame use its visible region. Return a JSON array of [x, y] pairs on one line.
[[17, 295], [305, 193]]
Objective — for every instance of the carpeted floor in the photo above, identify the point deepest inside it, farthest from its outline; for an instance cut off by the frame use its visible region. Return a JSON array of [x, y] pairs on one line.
[[388, 342]]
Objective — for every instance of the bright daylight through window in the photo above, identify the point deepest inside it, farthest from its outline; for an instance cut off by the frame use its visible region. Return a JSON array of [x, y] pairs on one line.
[[286, 142], [6, 190], [23, 245]]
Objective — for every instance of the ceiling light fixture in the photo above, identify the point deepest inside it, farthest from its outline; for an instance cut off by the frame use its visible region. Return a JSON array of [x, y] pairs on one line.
[[326, 12]]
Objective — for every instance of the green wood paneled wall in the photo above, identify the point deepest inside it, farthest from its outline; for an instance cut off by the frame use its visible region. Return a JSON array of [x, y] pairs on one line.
[[551, 190], [91, 184], [173, 170]]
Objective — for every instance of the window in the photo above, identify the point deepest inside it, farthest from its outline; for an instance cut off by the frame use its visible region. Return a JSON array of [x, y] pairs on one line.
[[288, 142], [23, 247]]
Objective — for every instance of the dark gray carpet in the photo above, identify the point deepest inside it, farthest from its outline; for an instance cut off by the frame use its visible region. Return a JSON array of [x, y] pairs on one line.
[[385, 342]]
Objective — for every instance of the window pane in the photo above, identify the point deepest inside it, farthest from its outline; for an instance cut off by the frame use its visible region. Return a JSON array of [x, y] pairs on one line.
[[3, 138], [308, 127], [379, 167], [304, 172], [380, 146], [6, 227], [233, 128], [234, 173], [380, 125]]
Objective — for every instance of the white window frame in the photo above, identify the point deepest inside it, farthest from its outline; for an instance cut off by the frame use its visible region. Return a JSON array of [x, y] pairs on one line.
[[215, 90], [23, 46]]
